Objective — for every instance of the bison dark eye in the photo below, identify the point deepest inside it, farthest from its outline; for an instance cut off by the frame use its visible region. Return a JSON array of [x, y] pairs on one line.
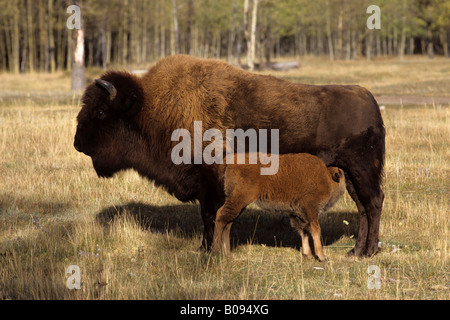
[[101, 114]]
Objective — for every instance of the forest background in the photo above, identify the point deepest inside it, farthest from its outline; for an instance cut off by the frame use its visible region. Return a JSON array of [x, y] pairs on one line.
[[130, 33]]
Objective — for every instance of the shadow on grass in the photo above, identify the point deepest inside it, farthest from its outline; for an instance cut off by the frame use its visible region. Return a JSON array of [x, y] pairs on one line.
[[253, 226]]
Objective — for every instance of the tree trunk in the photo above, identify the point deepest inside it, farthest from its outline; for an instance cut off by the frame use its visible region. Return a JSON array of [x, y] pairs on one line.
[[30, 34], [329, 36], [190, 22], [3, 52], [389, 45], [340, 40], [430, 49], [50, 39], [78, 70], [144, 32], [232, 36], [123, 32], [411, 45], [23, 45], [108, 48], [133, 27], [268, 45], [369, 45], [90, 51], [319, 41], [61, 42], [246, 32], [251, 64], [403, 36], [163, 40], [443, 39], [15, 39], [175, 28], [395, 42], [70, 41], [238, 48], [348, 48], [156, 43], [354, 44], [196, 44]]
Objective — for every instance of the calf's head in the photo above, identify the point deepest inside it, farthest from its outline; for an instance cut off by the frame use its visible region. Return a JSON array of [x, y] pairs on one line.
[[107, 128]]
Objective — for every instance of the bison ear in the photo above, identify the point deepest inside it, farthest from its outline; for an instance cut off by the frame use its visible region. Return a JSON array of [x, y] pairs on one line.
[[131, 103], [125, 92]]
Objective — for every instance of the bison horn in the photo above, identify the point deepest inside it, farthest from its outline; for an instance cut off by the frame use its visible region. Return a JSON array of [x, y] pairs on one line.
[[108, 86]]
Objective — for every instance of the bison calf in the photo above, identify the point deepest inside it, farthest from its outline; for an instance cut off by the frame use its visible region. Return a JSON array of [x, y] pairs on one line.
[[303, 186]]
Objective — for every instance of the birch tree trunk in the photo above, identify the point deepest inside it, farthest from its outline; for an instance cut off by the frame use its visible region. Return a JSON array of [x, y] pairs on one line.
[[251, 56], [246, 32], [78, 69], [329, 37], [175, 28]]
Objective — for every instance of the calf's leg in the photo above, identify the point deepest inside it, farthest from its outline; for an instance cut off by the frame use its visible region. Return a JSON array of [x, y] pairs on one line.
[[315, 234], [298, 224], [230, 211]]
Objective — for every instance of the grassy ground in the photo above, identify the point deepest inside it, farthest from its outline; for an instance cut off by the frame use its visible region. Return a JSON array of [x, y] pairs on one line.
[[134, 241]]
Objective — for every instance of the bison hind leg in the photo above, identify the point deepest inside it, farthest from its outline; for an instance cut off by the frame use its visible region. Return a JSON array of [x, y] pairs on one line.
[[362, 159]]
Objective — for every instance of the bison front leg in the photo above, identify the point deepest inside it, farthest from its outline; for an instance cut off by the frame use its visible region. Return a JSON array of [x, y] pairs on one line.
[[210, 202]]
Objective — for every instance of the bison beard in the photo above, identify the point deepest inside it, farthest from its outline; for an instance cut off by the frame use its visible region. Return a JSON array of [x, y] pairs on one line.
[[127, 121]]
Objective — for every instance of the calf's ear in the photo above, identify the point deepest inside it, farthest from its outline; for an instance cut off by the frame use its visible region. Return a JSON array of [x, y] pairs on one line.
[[336, 177]]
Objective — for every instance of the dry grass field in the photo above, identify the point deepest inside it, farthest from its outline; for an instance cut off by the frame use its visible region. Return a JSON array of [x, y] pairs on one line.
[[132, 240]]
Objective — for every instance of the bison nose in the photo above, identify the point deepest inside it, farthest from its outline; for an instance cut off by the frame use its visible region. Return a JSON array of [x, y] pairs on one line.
[[77, 144], [81, 146]]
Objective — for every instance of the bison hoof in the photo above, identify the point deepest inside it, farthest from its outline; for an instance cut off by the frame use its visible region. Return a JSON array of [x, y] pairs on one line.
[[356, 253], [371, 251], [351, 253], [308, 256], [363, 253]]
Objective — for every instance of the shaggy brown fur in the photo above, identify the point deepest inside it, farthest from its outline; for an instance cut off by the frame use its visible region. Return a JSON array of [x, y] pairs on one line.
[[303, 187], [132, 129]]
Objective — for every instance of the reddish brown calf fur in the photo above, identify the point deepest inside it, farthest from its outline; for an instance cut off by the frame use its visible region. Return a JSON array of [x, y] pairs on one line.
[[303, 187]]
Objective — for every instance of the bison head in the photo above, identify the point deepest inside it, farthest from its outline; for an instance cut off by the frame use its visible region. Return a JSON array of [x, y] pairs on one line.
[[107, 128]]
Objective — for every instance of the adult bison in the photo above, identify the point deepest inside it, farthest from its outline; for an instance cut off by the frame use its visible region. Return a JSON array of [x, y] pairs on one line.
[[127, 121]]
